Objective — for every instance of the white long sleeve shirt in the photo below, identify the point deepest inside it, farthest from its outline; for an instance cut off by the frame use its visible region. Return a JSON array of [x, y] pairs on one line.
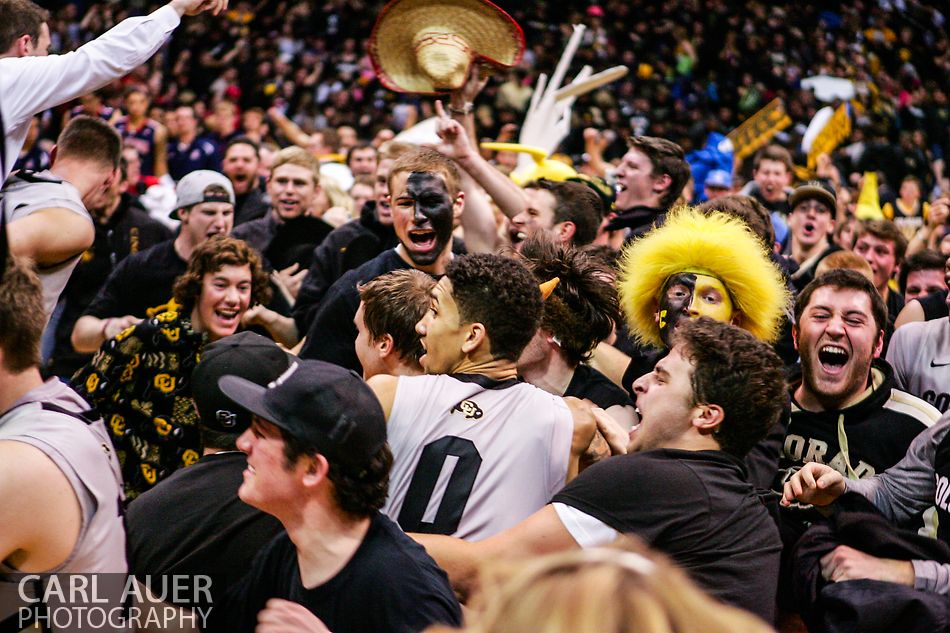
[[29, 85]]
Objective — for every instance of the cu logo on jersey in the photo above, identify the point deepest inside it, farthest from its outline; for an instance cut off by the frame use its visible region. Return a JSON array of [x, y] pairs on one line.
[[469, 409]]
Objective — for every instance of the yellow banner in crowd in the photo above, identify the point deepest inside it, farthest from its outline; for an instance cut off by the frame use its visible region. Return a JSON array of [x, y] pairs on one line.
[[835, 132], [759, 129]]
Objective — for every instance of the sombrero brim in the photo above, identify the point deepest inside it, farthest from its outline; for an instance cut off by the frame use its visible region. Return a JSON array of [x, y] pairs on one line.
[[492, 35]]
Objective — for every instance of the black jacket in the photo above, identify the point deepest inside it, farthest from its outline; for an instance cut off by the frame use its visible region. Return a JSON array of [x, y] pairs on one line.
[[866, 606], [639, 220], [345, 248], [252, 205]]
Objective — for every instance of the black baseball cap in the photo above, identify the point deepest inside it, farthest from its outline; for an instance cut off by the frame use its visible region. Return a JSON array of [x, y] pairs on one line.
[[813, 190], [246, 354], [318, 403]]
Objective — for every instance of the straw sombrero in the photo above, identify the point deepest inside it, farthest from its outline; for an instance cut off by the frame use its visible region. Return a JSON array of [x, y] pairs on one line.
[[427, 46]]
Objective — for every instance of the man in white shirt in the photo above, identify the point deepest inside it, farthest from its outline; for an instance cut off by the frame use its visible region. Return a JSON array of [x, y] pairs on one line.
[[32, 81]]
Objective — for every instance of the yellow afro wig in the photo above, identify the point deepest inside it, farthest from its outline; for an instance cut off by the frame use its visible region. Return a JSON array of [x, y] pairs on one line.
[[718, 245]]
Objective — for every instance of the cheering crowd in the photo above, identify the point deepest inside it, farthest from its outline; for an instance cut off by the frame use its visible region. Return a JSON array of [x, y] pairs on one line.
[[253, 329]]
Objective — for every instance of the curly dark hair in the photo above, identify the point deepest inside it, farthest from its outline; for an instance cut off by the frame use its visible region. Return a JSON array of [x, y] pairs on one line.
[[584, 306], [499, 293], [359, 493], [210, 256], [741, 374]]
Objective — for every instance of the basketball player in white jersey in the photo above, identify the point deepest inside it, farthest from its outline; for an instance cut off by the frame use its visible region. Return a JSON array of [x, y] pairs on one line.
[[474, 449]]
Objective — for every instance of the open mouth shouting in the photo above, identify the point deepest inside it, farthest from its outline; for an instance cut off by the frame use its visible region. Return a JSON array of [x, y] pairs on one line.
[[516, 235], [833, 358], [227, 317], [809, 231], [422, 240]]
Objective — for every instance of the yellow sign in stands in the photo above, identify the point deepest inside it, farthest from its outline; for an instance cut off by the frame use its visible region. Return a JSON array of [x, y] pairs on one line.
[[759, 129], [836, 131]]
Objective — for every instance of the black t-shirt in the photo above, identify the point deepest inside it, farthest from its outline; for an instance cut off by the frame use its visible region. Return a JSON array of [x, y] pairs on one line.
[[142, 281], [934, 305], [390, 584], [696, 507], [130, 230], [895, 303], [332, 335], [590, 384], [287, 242], [213, 533], [250, 206]]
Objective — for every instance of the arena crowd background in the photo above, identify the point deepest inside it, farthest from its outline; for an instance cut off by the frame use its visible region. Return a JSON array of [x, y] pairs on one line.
[[695, 67]]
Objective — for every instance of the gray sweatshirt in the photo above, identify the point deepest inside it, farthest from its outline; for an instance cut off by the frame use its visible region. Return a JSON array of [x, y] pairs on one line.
[[909, 488]]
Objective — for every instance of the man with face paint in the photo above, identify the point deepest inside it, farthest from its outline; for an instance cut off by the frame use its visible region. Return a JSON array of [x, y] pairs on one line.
[[353, 244], [423, 216], [697, 265], [691, 295], [426, 202]]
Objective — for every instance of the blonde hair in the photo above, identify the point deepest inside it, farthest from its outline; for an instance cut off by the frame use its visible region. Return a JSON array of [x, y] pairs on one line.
[[714, 244], [622, 589], [844, 259], [335, 194], [298, 156]]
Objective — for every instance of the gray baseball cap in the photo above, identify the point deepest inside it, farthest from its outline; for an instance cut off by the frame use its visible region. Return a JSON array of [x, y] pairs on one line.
[[193, 189]]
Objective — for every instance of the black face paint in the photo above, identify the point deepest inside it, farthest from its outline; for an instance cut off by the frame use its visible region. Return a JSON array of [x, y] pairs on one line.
[[675, 298], [432, 218], [692, 295]]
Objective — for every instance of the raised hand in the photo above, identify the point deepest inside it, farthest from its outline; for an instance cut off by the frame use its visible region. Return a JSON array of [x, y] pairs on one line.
[[194, 7], [455, 143], [290, 279]]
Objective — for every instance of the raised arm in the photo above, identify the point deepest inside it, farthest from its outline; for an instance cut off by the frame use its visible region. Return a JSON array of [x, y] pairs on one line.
[[161, 151], [457, 144], [56, 79], [478, 220], [290, 129]]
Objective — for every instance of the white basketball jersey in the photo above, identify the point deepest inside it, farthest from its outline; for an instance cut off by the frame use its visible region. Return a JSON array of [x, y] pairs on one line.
[[473, 456]]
